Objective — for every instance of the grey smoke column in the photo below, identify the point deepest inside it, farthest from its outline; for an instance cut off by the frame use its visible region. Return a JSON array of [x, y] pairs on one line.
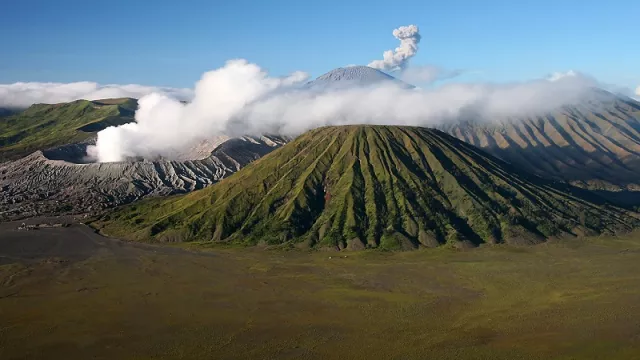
[[397, 59]]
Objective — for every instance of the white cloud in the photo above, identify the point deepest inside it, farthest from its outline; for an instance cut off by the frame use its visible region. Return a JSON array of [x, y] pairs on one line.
[[613, 88], [427, 74], [242, 99], [24, 94], [561, 75]]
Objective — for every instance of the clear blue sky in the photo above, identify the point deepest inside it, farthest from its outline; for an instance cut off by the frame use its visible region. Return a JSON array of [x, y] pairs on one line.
[[170, 43]]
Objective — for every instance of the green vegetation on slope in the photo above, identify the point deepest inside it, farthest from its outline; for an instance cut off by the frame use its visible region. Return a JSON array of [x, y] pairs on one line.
[[384, 187], [42, 126]]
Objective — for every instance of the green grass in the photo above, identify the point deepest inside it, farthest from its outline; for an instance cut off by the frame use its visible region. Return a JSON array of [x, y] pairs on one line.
[[574, 299], [385, 186], [42, 126]]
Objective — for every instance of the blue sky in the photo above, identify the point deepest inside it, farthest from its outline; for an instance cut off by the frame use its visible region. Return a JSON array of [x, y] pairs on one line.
[[171, 43]]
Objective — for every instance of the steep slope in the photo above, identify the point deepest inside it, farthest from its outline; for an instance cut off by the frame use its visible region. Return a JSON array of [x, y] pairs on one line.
[[48, 125], [39, 185], [595, 144], [373, 186]]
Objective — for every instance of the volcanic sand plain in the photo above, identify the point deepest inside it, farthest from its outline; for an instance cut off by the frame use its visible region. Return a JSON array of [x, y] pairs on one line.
[[68, 293]]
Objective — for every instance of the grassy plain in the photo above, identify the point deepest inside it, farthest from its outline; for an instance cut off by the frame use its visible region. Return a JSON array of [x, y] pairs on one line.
[[578, 299]]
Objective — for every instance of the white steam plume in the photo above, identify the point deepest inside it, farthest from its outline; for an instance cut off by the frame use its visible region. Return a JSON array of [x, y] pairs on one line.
[[24, 94], [397, 59], [638, 91], [164, 125], [241, 99]]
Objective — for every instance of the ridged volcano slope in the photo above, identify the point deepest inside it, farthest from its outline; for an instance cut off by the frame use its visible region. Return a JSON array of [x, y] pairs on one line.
[[374, 186], [594, 144]]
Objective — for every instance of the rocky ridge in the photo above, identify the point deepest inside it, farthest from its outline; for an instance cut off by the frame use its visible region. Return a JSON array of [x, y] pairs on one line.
[[55, 181]]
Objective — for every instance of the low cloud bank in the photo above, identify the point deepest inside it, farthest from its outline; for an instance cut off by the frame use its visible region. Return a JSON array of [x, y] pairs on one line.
[[428, 74], [25, 94], [242, 99]]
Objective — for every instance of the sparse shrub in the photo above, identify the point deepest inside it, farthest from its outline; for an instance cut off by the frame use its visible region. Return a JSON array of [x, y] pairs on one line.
[[389, 242], [547, 229]]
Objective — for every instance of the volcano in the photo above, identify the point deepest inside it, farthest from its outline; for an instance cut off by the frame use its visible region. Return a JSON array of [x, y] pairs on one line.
[[355, 76], [389, 187]]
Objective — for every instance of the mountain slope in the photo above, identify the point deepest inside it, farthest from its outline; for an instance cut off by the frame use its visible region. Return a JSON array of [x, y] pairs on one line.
[[595, 144], [374, 186], [47, 125]]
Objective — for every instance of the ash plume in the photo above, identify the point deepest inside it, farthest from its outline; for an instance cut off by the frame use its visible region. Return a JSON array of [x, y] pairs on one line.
[[397, 59]]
